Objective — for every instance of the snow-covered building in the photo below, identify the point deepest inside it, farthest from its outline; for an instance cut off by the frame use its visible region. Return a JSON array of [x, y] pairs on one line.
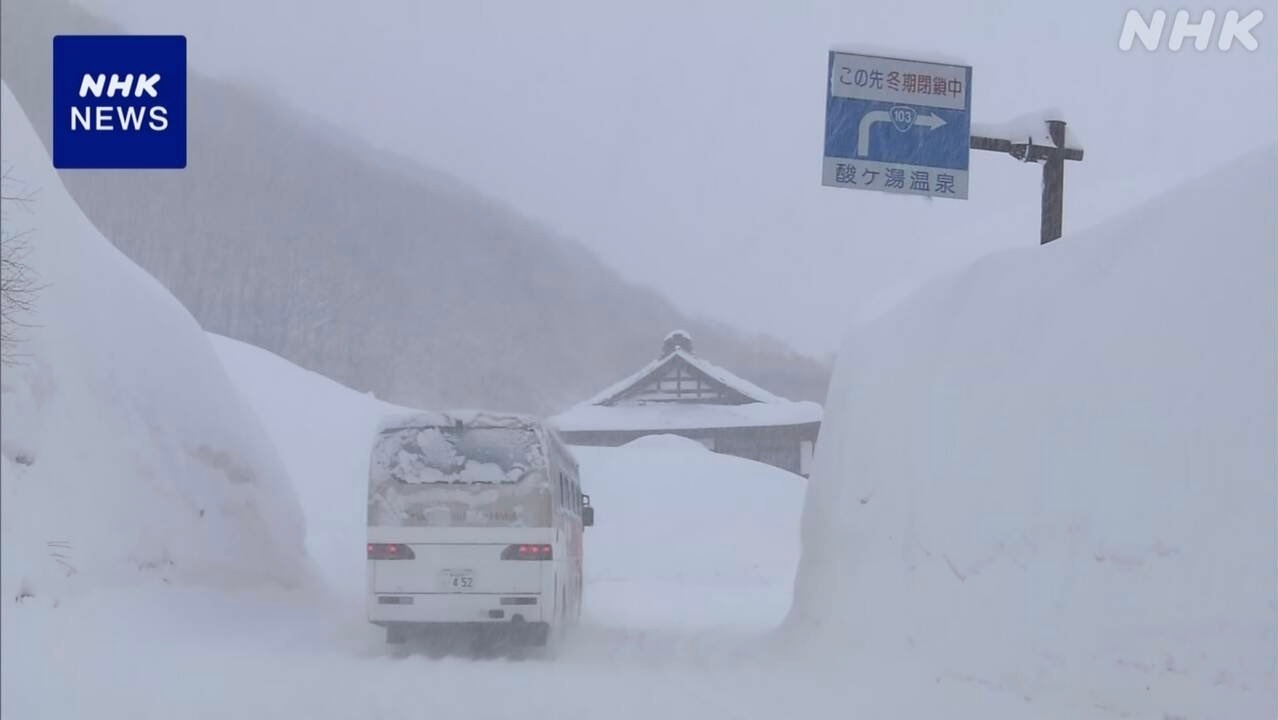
[[680, 393]]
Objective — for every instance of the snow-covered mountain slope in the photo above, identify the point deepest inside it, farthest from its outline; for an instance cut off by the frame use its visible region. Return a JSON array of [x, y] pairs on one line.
[[1054, 475], [127, 456], [684, 536], [323, 431]]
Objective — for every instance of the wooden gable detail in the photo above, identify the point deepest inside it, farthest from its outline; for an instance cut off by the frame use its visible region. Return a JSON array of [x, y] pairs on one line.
[[677, 381]]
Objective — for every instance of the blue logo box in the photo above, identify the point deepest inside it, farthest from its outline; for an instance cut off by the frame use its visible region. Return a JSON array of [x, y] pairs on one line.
[[119, 101]]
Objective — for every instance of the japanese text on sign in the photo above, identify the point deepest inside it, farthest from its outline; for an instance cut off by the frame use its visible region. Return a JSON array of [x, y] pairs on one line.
[[923, 181], [887, 79], [908, 83]]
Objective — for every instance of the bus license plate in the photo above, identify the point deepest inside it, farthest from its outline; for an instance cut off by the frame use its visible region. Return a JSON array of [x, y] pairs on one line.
[[458, 580]]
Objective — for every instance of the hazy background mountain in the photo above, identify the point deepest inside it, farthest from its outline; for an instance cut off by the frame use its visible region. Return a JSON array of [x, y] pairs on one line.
[[375, 271]]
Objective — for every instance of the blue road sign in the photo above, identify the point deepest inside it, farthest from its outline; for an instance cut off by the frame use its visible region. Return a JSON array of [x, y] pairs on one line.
[[897, 125]]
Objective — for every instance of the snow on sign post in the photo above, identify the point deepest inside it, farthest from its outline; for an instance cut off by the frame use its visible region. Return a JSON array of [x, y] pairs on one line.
[[897, 125]]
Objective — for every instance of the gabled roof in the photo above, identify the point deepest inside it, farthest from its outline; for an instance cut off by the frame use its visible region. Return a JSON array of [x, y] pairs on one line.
[[746, 389], [628, 404]]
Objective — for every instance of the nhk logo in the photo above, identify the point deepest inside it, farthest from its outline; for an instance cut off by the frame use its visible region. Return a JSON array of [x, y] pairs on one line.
[[108, 117], [119, 101], [1234, 27]]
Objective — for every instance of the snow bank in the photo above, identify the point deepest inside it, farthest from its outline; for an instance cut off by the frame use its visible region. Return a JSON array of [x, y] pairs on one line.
[[127, 457], [685, 537], [1052, 477], [671, 443], [324, 433]]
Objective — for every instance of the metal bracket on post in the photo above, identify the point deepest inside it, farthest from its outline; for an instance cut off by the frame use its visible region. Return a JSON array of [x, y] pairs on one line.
[[1053, 158]]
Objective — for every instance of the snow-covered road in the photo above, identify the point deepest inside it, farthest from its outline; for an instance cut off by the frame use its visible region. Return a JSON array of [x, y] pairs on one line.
[[183, 653], [189, 653]]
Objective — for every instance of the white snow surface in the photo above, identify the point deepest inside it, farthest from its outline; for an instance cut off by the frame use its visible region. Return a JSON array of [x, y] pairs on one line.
[[666, 442], [688, 538], [443, 418], [1053, 477], [127, 458], [324, 433]]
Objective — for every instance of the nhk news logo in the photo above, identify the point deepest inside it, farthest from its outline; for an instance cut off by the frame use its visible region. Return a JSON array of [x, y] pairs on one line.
[[119, 101]]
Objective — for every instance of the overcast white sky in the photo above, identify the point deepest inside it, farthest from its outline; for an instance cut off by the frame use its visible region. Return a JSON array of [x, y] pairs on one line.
[[682, 140]]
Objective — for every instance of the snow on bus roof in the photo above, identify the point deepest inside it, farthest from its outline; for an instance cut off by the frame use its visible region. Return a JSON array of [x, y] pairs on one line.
[[468, 418]]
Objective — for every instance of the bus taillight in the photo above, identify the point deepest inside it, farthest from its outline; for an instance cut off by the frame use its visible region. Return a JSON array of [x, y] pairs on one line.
[[527, 552], [390, 551]]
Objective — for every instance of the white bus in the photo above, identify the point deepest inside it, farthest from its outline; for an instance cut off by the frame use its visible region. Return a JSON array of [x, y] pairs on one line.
[[475, 523]]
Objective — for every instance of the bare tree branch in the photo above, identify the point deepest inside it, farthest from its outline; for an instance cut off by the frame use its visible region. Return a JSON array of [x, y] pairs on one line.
[[18, 282]]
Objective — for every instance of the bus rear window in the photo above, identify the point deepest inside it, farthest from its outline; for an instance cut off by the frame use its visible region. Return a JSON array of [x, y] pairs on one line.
[[459, 477], [456, 455]]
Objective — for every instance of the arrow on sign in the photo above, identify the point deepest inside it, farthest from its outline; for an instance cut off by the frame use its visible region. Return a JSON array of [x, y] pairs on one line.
[[930, 121]]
